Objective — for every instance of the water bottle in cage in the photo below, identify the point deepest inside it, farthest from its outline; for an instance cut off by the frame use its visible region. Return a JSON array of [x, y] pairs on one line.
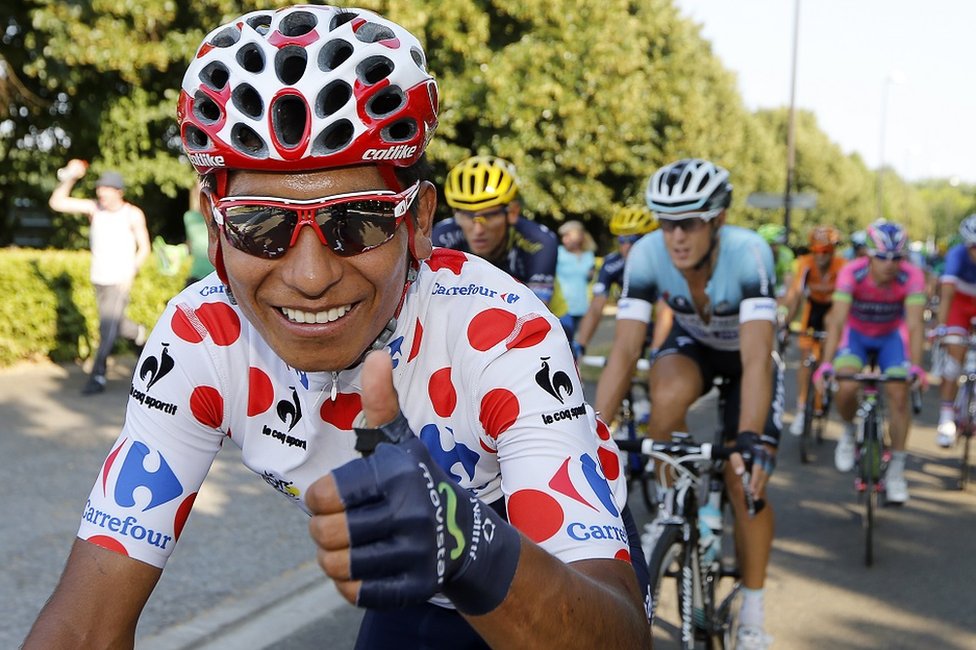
[[710, 523]]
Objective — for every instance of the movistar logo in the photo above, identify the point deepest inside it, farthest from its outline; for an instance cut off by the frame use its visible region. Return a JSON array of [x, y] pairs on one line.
[[451, 499]]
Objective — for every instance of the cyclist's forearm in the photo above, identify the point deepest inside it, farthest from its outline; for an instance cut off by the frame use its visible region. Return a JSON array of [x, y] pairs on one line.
[[757, 395], [946, 294], [590, 320], [588, 604]]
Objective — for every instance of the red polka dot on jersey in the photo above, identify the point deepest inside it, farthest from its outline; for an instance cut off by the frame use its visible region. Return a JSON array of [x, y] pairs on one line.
[[622, 554], [207, 406], [342, 411], [110, 543], [182, 513], [260, 392], [181, 326], [536, 514], [443, 397], [418, 335], [529, 333], [446, 258], [499, 410], [602, 430], [490, 327], [484, 446], [610, 462], [222, 322]]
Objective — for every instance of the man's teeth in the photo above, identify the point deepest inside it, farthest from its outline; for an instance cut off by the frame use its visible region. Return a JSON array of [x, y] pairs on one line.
[[327, 316]]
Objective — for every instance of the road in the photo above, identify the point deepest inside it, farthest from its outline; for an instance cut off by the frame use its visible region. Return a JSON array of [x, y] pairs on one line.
[[244, 576]]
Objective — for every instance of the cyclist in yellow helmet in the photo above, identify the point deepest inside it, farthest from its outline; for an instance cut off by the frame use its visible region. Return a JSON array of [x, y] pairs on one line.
[[487, 222], [628, 224]]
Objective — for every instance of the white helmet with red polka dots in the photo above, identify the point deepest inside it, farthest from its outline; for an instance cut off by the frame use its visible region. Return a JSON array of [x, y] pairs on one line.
[[307, 87]]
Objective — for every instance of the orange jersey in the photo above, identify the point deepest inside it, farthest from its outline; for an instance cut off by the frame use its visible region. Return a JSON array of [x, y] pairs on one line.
[[816, 286]]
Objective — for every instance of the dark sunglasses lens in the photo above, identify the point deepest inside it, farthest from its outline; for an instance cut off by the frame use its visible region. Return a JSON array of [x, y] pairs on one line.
[[690, 224], [628, 239], [259, 230], [351, 228]]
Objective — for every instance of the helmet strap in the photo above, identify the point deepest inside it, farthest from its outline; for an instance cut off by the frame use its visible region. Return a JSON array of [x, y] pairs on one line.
[[707, 257]]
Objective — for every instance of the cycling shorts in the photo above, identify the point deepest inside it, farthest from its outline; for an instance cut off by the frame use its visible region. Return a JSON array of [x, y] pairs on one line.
[[962, 310], [813, 319], [724, 368], [890, 350]]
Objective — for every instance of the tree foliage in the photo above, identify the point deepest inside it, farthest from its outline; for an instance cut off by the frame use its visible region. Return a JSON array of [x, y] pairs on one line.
[[586, 97]]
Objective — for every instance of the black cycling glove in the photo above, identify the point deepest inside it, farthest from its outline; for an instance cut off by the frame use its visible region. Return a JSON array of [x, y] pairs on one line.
[[413, 531]]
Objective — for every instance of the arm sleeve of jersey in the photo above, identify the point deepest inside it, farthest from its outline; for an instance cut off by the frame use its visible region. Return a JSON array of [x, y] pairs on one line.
[[953, 265], [758, 284], [560, 475], [173, 429], [916, 294], [844, 288], [604, 278], [541, 269], [640, 290]]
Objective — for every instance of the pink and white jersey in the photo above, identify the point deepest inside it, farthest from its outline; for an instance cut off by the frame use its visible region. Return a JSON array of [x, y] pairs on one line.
[[485, 378], [876, 311]]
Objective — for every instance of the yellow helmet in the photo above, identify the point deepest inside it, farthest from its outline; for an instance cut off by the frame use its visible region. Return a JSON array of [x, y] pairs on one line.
[[633, 220], [481, 182]]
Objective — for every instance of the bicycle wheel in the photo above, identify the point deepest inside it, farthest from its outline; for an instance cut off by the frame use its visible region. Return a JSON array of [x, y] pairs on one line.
[[806, 438], [870, 469], [672, 558], [965, 428]]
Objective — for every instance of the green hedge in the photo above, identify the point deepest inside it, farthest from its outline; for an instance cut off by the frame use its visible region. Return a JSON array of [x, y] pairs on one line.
[[47, 303]]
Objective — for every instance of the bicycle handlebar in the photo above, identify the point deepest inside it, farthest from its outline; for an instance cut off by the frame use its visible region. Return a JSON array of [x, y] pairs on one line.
[[689, 450]]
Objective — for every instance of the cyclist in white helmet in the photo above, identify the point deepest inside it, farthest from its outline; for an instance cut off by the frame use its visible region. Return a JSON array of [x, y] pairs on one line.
[[490, 511], [957, 307], [719, 282]]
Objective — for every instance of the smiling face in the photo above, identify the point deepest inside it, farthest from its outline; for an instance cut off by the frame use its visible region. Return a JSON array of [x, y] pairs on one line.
[[319, 311]]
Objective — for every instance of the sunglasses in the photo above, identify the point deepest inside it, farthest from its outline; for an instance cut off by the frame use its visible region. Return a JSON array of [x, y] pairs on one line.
[[628, 239], [822, 250], [349, 224], [481, 218], [888, 257]]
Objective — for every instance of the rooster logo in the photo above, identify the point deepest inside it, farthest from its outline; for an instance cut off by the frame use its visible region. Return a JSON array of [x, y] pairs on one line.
[[557, 384], [290, 412], [155, 369]]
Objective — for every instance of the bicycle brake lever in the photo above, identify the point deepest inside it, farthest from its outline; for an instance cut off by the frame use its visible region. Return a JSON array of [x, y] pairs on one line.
[[753, 505]]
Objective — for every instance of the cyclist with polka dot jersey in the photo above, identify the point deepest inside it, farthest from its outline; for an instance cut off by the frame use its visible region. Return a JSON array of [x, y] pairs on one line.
[[877, 311], [418, 403]]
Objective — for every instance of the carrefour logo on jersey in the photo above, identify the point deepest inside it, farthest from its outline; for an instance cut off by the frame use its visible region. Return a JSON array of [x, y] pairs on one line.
[[136, 485], [472, 290], [583, 532]]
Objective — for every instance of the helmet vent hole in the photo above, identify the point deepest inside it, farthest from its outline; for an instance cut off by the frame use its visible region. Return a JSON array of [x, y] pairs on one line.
[[251, 58], [290, 64], [374, 69], [227, 37], [246, 140], [195, 138], [215, 75], [261, 23], [418, 58], [373, 33], [205, 109], [385, 102], [297, 23], [333, 54], [337, 136], [401, 130], [332, 98], [290, 119], [247, 100], [341, 19]]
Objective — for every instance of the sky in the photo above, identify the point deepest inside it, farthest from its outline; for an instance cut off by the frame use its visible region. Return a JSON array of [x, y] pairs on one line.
[[893, 80]]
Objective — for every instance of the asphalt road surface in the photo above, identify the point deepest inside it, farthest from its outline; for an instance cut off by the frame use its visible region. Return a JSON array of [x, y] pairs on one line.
[[244, 576]]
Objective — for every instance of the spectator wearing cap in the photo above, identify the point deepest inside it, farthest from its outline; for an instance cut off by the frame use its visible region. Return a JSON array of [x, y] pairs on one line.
[[119, 245]]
